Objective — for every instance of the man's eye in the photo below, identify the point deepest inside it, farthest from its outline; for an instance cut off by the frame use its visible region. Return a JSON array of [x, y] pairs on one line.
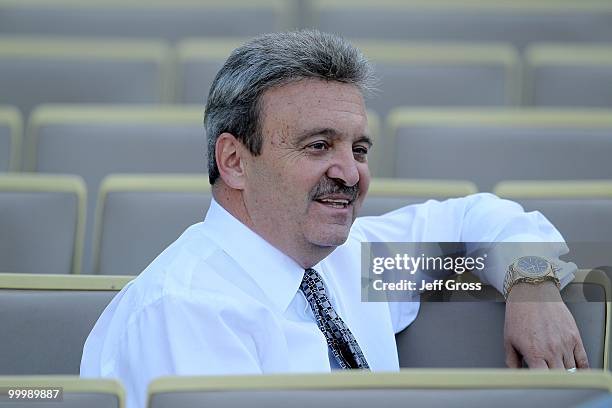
[[360, 150], [318, 146]]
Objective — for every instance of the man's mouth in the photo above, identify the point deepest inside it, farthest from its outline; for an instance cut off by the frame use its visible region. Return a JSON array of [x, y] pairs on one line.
[[334, 195], [335, 202]]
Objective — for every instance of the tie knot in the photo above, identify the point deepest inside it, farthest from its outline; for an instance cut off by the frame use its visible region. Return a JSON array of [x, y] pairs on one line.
[[312, 285], [311, 275]]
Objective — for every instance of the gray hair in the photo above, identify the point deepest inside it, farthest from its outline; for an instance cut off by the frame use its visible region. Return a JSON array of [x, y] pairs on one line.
[[272, 60]]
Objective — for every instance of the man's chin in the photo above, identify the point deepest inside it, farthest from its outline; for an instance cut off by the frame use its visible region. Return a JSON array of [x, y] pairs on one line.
[[331, 237], [329, 227]]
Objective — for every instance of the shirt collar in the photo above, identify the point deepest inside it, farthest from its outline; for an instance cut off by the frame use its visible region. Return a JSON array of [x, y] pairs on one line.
[[278, 275]]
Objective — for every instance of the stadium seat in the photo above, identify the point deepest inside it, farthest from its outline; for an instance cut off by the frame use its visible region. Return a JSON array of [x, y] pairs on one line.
[[430, 388], [73, 392], [46, 319], [571, 76], [96, 141], [165, 20], [487, 146], [37, 70], [429, 74], [42, 219], [581, 211], [139, 216], [387, 195], [11, 135], [519, 22], [477, 339], [198, 63]]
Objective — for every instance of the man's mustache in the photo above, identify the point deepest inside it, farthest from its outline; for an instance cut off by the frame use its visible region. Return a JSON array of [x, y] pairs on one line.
[[328, 186]]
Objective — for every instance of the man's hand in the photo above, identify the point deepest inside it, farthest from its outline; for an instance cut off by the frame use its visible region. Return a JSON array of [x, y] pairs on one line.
[[540, 329]]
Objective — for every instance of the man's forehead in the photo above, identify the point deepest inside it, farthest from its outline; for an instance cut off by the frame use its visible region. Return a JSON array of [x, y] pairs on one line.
[[305, 105]]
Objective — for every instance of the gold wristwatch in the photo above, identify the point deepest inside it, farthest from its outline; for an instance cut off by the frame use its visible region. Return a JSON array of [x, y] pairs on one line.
[[530, 269]]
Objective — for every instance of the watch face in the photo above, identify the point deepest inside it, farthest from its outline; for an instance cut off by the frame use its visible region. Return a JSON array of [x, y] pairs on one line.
[[532, 266]]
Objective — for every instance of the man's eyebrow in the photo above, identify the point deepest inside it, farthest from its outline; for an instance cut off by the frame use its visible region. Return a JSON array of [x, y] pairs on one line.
[[330, 133], [365, 139]]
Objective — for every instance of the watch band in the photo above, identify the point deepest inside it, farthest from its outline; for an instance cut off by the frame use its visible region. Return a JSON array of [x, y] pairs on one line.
[[511, 279]]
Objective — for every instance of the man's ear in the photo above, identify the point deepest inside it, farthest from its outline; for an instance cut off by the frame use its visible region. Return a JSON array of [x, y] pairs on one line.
[[230, 161]]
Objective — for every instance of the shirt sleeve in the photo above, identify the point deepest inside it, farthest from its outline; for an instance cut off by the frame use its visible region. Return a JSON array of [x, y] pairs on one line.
[[489, 219], [175, 335], [478, 219]]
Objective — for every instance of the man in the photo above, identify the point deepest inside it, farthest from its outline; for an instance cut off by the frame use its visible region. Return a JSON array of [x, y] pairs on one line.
[[270, 281]]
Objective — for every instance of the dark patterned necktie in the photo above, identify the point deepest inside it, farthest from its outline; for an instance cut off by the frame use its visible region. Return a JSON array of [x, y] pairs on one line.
[[339, 338]]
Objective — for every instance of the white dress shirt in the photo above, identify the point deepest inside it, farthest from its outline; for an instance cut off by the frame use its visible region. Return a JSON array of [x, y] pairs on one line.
[[222, 300]]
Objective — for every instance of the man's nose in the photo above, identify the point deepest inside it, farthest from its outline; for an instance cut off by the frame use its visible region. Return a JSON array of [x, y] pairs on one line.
[[344, 168]]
